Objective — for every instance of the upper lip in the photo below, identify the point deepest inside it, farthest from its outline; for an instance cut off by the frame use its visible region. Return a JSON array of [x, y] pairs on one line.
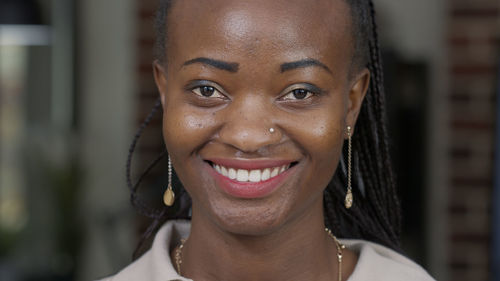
[[250, 164]]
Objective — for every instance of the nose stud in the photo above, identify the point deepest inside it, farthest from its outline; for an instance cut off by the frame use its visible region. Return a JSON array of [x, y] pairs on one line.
[[271, 130]]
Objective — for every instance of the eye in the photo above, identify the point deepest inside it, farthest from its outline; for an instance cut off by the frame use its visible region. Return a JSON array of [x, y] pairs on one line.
[[298, 94], [207, 92]]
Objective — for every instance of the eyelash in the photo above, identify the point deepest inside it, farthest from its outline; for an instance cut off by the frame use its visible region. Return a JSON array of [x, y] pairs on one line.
[[199, 91], [310, 92], [294, 92], [198, 87]]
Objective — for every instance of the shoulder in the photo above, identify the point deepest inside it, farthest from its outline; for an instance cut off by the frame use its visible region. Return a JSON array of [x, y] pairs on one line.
[[155, 264], [377, 262]]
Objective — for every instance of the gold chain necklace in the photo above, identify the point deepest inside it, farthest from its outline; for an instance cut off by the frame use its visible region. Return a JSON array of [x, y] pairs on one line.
[[340, 247]]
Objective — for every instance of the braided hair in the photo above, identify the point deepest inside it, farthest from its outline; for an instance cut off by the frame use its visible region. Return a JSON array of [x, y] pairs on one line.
[[375, 215]]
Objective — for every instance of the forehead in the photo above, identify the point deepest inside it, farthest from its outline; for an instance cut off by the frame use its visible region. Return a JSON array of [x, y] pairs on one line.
[[284, 29]]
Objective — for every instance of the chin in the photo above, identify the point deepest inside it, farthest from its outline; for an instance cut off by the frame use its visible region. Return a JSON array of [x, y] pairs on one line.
[[256, 217], [250, 219]]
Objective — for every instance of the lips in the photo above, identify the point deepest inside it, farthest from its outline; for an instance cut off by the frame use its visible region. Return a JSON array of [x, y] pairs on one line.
[[250, 178], [254, 175]]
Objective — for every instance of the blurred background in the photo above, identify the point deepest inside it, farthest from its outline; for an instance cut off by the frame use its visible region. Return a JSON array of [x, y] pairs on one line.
[[76, 81]]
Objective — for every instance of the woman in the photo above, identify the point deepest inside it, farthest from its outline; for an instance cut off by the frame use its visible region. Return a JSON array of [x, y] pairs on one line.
[[258, 99]]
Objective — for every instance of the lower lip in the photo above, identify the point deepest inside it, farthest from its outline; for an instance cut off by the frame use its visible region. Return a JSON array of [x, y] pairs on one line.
[[249, 190]]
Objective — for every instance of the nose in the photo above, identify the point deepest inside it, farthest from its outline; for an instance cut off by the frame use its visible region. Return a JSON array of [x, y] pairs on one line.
[[250, 125]]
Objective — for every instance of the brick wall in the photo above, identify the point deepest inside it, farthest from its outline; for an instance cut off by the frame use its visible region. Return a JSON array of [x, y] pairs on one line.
[[473, 48], [151, 143], [148, 93]]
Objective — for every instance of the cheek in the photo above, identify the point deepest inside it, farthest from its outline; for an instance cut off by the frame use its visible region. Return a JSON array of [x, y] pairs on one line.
[[185, 129], [321, 137], [326, 142]]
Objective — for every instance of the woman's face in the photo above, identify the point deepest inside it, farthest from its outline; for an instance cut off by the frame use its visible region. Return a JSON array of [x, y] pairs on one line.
[[236, 69]]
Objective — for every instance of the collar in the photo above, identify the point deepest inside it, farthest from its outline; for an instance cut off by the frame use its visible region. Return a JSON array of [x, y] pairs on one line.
[[375, 262]]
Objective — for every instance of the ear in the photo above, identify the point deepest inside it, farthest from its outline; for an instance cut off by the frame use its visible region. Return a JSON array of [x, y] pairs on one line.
[[160, 80], [359, 87]]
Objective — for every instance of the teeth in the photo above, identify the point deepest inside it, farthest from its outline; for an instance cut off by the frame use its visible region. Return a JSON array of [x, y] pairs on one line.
[[243, 175], [266, 174], [224, 171], [275, 172], [254, 176], [232, 173]]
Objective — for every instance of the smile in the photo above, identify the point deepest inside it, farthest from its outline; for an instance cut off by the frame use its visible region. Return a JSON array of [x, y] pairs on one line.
[[250, 179], [254, 175]]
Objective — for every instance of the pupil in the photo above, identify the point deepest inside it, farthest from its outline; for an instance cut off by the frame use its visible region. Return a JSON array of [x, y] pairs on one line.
[[207, 91], [299, 93]]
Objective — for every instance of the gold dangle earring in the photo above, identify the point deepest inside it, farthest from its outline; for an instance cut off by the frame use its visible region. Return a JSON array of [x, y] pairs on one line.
[[169, 195], [348, 197]]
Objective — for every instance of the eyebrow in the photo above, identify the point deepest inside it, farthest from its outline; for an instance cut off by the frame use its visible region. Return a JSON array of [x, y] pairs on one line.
[[303, 63], [223, 65]]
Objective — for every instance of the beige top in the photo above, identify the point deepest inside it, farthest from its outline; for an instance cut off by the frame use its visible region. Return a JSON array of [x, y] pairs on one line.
[[375, 262]]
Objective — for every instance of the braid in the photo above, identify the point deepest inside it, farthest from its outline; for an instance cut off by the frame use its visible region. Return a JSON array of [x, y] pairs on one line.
[[143, 208], [389, 174], [375, 215], [161, 215]]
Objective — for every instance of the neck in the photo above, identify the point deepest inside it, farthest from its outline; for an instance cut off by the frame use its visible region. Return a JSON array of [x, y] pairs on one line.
[[298, 250]]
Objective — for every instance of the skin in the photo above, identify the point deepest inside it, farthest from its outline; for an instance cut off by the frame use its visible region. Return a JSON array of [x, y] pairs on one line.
[[249, 239]]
